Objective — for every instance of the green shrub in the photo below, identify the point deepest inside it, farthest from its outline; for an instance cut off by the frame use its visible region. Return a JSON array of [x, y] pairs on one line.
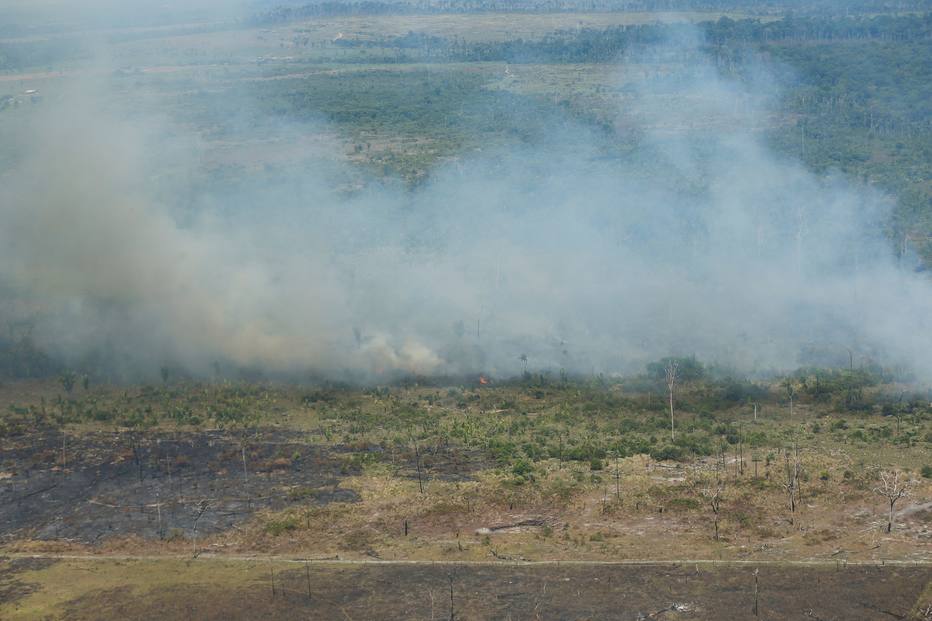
[[174, 535], [686, 504], [667, 453], [277, 527], [522, 470]]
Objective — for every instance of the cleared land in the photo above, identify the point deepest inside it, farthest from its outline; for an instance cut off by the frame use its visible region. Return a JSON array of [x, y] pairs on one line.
[[535, 471]]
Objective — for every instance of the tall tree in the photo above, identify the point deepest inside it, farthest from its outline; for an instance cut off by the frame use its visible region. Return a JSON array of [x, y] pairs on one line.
[[670, 372]]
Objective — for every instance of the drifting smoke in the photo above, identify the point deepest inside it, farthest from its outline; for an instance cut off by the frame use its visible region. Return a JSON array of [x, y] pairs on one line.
[[701, 242]]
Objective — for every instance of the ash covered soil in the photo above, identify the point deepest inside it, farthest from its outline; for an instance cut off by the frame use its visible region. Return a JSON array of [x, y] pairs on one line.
[[114, 484], [168, 484], [542, 592]]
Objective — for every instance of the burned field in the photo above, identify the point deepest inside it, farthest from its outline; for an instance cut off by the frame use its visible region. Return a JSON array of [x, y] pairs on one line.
[[530, 471], [177, 485], [170, 485], [593, 592], [282, 590]]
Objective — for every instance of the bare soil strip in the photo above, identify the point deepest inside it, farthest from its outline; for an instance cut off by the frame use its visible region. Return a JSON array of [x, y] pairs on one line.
[[499, 563], [103, 588]]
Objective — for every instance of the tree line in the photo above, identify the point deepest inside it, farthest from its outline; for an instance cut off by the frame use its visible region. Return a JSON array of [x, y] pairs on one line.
[[589, 45], [333, 8]]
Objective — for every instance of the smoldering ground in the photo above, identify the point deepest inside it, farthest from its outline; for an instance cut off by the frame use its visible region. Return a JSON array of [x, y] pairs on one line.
[[700, 241]]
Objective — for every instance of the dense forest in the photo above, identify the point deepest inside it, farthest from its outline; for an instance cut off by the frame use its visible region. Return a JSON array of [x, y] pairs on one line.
[[587, 45], [302, 9]]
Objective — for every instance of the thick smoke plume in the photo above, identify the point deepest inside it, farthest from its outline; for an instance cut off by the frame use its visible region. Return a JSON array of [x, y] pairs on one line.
[[702, 241]]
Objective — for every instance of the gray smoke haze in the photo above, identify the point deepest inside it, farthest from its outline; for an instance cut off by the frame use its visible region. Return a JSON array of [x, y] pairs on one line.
[[703, 241], [49, 16]]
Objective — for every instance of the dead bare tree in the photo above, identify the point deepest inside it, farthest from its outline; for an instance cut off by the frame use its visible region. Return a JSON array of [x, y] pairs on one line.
[[893, 486], [417, 464], [713, 494], [60, 417], [452, 613], [307, 574], [670, 372], [924, 611], [617, 480], [137, 422], [790, 387], [158, 509], [791, 486], [799, 468], [200, 512], [740, 452], [243, 453]]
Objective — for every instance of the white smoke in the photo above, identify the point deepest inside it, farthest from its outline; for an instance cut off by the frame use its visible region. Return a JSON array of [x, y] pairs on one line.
[[703, 241]]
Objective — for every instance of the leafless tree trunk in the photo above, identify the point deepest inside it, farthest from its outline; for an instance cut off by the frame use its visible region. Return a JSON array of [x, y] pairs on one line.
[[737, 462], [245, 473], [798, 466], [740, 455], [714, 495], [417, 463], [201, 509], [452, 614], [670, 372], [791, 486], [307, 574], [158, 510], [617, 480], [135, 441], [894, 485]]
